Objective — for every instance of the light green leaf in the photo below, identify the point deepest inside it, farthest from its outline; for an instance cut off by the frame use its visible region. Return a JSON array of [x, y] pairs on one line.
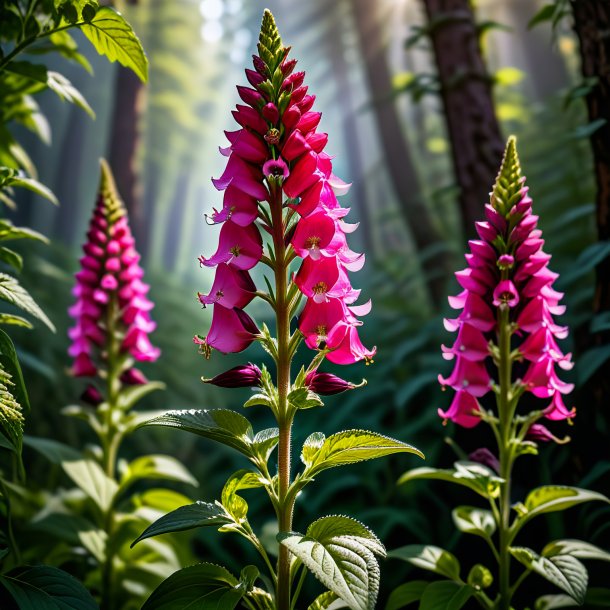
[[131, 395], [12, 292], [10, 363], [67, 91], [8, 231], [406, 594], [576, 548], [323, 601], [234, 504], [551, 602], [11, 416], [473, 475], [221, 425], [34, 186], [7, 318], [46, 588], [156, 467], [445, 595], [304, 398], [429, 557], [113, 37], [564, 571], [202, 587], [351, 446], [340, 552], [264, 442], [475, 521], [12, 258], [199, 514]]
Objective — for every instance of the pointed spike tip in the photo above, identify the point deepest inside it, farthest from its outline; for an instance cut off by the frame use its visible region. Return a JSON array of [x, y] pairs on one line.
[[109, 193], [509, 182]]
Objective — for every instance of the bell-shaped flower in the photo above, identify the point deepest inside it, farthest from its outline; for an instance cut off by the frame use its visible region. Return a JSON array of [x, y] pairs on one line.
[[471, 377], [240, 247], [463, 410], [231, 288], [231, 331]]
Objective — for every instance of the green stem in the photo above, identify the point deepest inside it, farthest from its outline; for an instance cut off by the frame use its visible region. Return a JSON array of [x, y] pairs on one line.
[[298, 588], [285, 416], [505, 412], [9, 523]]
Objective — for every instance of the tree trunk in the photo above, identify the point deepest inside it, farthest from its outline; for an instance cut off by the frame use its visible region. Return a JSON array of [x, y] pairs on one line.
[[592, 24], [465, 86], [397, 156], [124, 139]]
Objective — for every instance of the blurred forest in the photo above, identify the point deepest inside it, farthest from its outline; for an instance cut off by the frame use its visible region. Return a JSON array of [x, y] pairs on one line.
[[404, 135]]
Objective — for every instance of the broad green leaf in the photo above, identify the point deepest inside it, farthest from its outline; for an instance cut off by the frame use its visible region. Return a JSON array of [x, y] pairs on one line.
[[234, 504], [12, 258], [133, 394], [340, 552], [564, 571], [445, 595], [429, 557], [473, 475], [156, 467], [551, 498], [113, 37], [264, 442], [12, 292], [221, 425], [46, 588], [202, 587], [162, 500], [576, 548], [199, 514], [304, 398], [406, 594], [351, 446], [10, 363], [475, 521]]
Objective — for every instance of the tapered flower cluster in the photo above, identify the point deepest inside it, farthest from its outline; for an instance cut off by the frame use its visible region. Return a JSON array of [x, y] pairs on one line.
[[507, 287], [111, 305], [277, 149]]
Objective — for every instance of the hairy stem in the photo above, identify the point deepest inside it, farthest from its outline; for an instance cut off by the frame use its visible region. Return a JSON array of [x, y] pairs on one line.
[[282, 315]]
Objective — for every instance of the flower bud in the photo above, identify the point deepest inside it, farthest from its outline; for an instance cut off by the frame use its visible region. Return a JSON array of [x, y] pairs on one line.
[[243, 376], [92, 396], [133, 376], [484, 456], [327, 383], [271, 113]]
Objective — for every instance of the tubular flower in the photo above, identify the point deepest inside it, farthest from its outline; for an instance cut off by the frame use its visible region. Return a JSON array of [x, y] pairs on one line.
[[278, 148], [109, 289], [507, 287]]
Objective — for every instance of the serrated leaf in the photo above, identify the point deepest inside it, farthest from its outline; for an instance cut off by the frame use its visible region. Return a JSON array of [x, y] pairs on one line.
[[473, 475], [12, 292], [199, 514], [352, 446], [264, 442], [445, 595], [340, 553], [429, 557], [221, 425], [10, 363], [312, 445], [234, 504], [156, 467], [304, 398], [475, 521], [11, 416], [323, 601], [204, 586], [576, 548], [564, 571], [406, 594], [46, 588], [113, 37]]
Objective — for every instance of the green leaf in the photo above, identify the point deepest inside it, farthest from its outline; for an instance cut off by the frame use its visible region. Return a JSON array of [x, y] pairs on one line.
[[221, 425], [576, 548], [406, 594], [7, 318], [429, 557], [551, 602], [8, 231], [304, 398], [67, 91], [475, 521], [564, 571], [12, 258], [551, 498], [264, 442], [113, 37], [323, 601], [234, 504], [445, 595], [473, 475], [10, 363], [340, 552], [67, 47], [11, 416], [199, 514], [544, 14], [133, 394], [46, 588], [349, 447], [156, 467], [12, 292], [204, 586]]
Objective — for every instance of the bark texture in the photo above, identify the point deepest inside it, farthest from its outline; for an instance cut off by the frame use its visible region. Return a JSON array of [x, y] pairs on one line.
[[466, 93]]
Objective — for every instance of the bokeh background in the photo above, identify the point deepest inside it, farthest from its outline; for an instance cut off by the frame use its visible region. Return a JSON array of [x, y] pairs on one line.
[[375, 79]]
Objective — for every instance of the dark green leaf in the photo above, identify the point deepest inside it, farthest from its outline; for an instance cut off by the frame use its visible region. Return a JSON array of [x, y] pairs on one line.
[[429, 557], [546, 13], [474, 521], [12, 292], [406, 594], [445, 595]]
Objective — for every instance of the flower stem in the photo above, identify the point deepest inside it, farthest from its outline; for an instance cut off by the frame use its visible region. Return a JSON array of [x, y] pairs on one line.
[[282, 314], [505, 454]]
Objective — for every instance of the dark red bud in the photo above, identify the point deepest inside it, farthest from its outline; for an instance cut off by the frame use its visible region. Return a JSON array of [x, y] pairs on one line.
[[133, 376], [327, 383], [486, 457], [250, 96], [298, 94], [254, 78], [288, 66], [294, 81], [92, 396], [291, 117], [271, 113], [259, 65], [243, 376]]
